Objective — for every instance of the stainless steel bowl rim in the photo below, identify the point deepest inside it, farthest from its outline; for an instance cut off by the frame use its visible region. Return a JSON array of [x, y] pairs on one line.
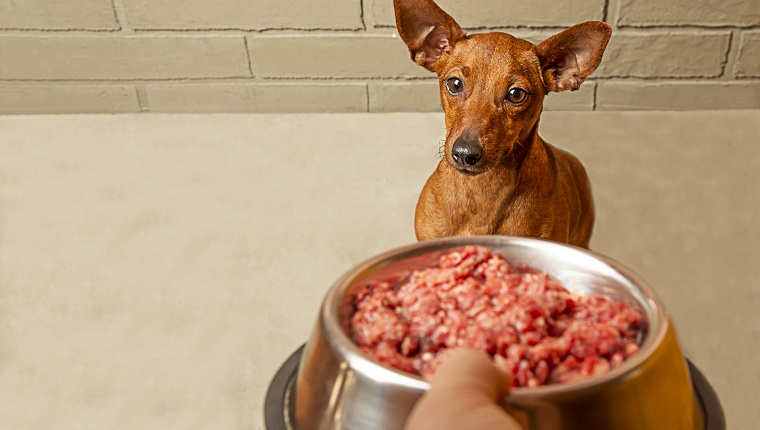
[[360, 362]]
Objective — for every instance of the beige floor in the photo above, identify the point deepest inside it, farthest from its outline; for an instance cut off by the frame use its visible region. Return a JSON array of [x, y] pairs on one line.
[[156, 270]]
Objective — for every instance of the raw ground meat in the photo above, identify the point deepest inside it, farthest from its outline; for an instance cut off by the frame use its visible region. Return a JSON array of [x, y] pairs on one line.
[[531, 325]]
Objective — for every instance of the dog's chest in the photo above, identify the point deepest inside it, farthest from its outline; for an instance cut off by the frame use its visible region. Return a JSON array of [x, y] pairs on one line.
[[475, 205]]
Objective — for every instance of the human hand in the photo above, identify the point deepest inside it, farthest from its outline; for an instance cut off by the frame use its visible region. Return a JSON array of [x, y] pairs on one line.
[[464, 394]]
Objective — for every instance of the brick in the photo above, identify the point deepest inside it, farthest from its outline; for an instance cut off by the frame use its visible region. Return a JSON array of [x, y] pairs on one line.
[[497, 13], [324, 56], [243, 14], [678, 95], [583, 99], [258, 97], [748, 61], [122, 57], [58, 15], [533, 35], [698, 54], [340, 55], [60, 98], [648, 13], [409, 96], [423, 96], [655, 54]]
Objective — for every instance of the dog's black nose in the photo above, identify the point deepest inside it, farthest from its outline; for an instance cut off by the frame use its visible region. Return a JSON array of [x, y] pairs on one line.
[[466, 152]]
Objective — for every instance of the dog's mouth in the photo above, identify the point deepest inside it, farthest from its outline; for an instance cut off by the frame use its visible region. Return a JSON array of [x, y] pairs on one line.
[[466, 170], [469, 171]]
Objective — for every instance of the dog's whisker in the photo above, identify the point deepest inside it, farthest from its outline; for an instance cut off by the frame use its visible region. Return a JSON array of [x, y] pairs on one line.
[[439, 150]]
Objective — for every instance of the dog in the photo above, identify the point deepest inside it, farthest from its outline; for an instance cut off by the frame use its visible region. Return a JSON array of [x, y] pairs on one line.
[[496, 174]]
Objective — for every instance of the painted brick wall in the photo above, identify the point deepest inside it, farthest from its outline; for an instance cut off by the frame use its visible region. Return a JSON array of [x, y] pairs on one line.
[[343, 55]]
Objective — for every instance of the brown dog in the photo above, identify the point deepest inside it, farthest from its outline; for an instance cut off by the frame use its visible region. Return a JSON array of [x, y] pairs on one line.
[[497, 176]]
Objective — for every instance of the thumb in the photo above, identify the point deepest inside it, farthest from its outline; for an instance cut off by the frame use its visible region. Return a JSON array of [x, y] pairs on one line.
[[464, 393], [471, 372]]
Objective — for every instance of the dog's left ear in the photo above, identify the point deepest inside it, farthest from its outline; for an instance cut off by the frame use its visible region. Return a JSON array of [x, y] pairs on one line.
[[569, 57]]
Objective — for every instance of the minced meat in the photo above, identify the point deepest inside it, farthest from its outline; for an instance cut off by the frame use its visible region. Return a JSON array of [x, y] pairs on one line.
[[532, 326]]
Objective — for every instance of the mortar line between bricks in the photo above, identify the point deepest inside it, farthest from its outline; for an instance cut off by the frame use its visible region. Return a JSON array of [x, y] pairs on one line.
[[732, 55], [283, 30], [248, 55], [613, 13], [169, 81], [605, 11], [658, 78], [362, 14], [121, 15], [687, 27], [680, 31], [366, 90], [634, 81], [170, 31], [353, 78], [54, 31], [125, 80], [142, 98], [725, 59]]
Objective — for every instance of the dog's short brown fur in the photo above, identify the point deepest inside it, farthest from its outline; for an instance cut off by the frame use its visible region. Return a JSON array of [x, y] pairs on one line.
[[497, 176]]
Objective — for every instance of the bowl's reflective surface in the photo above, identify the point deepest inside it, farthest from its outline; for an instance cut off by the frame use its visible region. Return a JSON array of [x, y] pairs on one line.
[[338, 387]]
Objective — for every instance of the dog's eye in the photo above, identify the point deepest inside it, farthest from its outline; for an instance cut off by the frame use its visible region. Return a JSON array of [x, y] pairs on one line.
[[516, 96], [454, 86]]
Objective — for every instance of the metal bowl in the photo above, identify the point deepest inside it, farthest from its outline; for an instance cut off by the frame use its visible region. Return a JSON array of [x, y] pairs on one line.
[[339, 387]]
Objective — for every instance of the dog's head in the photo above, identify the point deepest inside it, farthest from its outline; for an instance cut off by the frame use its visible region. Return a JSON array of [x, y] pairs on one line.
[[492, 85]]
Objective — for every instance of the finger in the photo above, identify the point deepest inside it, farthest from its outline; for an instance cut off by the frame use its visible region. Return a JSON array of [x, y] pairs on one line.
[[464, 393], [472, 372]]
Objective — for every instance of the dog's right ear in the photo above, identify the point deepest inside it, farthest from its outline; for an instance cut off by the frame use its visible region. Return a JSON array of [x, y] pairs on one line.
[[427, 30]]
